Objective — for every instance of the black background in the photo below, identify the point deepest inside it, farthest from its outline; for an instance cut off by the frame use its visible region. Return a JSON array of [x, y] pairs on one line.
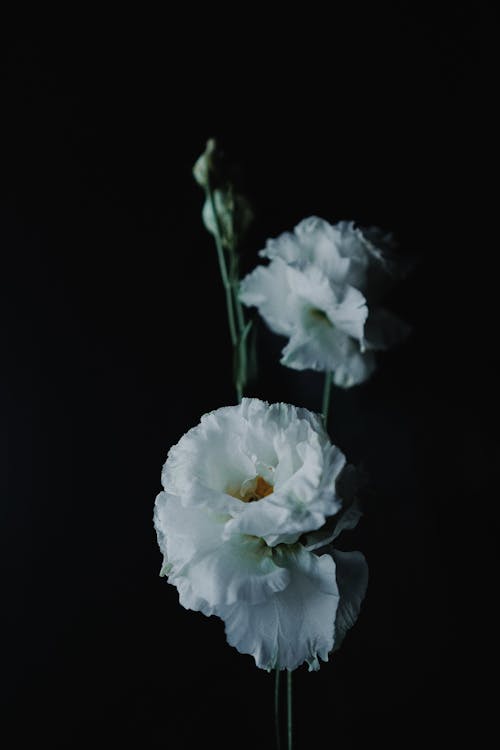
[[114, 341]]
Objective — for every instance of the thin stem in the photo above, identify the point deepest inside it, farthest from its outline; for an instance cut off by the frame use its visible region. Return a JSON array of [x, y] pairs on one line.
[[289, 707], [234, 276], [223, 268], [241, 364], [238, 305], [239, 390], [277, 707], [327, 388]]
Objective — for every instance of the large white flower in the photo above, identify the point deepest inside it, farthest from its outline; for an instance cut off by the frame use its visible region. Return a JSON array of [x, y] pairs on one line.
[[242, 492], [314, 293]]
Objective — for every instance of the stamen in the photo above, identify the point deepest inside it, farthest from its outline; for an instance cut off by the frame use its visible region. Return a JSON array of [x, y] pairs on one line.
[[320, 316], [253, 490]]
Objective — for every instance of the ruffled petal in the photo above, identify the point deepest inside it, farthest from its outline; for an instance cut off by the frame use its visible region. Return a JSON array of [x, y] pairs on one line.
[[205, 566], [350, 312], [352, 580], [274, 521], [288, 248], [184, 533], [369, 253], [342, 306], [304, 494], [313, 241], [209, 460], [323, 242], [323, 349], [297, 624], [348, 484], [355, 368], [267, 288]]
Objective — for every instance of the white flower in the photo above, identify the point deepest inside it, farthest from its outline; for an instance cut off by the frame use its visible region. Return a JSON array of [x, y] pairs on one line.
[[241, 490], [344, 252], [323, 320], [314, 293]]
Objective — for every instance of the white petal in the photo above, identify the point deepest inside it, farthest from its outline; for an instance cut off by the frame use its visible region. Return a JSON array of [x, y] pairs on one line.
[[275, 521], [279, 416], [184, 533], [329, 350], [350, 312], [352, 246], [304, 489], [319, 316], [160, 521], [208, 460], [313, 241], [322, 241], [348, 484], [205, 566], [267, 288], [288, 248], [323, 349], [352, 580], [237, 570], [356, 368], [344, 521], [189, 600], [197, 494], [294, 626], [344, 306]]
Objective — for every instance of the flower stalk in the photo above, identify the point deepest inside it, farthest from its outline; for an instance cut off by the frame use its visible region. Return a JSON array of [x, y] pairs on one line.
[[289, 707], [238, 328], [277, 707], [228, 287]]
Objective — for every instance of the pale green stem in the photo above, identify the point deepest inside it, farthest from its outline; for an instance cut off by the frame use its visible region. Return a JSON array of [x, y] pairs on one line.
[[239, 390], [223, 267], [289, 707], [277, 707], [241, 354], [327, 389], [230, 282], [241, 375], [238, 306]]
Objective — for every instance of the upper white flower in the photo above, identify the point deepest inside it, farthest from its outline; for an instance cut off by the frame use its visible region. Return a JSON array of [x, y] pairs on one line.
[[241, 489], [314, 293], [343, 251]]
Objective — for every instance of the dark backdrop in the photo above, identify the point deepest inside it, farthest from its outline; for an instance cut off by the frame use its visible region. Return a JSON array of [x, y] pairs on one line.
[[114, 342]]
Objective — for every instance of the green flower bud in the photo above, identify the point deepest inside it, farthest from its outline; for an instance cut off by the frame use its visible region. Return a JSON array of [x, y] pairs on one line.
[[233, 212], [204, 167]]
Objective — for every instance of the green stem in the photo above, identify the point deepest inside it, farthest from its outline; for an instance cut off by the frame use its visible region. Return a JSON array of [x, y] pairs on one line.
[[230, 280], [241, 354], [239, 308], [239, 389], [223, 267], [327, 388], [289, 707], [277, 707], [241, 362]]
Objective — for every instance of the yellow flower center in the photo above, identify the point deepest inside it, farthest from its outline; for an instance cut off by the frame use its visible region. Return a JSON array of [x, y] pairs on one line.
[[320, 316], [253, 490]]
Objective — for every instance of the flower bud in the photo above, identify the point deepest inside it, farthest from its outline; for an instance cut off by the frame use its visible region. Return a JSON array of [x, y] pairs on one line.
[[205, 165], [233, 212]]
